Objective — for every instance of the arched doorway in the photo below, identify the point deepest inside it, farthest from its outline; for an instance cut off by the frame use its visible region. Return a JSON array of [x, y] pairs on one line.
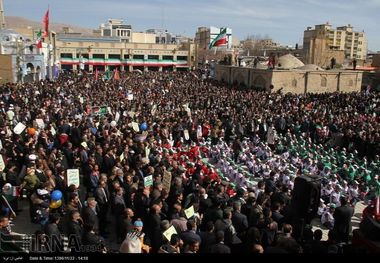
[[259, 83], [38, 73], [29, 77]]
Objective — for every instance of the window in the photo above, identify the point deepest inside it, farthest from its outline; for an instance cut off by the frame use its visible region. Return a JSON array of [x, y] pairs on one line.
[[324, 82], [152, 57], [350, 83], [66, 55]]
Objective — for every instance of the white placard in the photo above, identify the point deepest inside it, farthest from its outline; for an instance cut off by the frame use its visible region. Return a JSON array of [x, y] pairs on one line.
[[189, 212], [20, 127], [169, 232], [2, 164], [117, 116], [148, 180], [130, 96], [52, 130], [147, 151], [186, 133], [40, 123], [135, 126], [73, 177]]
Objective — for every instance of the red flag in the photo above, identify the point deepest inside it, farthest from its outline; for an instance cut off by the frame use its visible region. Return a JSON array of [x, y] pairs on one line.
[[117, 75], [96, 74], [46, 23]]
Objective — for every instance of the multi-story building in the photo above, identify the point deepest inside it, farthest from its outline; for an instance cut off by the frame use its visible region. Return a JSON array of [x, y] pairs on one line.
[[116, 28], [353, 43], [89, 53], [323, 42], [165, 37]]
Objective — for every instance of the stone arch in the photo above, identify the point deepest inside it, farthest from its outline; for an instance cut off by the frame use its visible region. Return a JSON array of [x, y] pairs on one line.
[[324, 82], [239, 78], [259, 83], [224, 77], [30, 66]]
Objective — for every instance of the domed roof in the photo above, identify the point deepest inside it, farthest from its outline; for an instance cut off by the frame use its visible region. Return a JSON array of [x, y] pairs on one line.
[[310, 67], [289, 61]]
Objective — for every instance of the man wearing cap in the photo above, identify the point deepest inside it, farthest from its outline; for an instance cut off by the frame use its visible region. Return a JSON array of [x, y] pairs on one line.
[[335, 195], [134, 241], [353, 192], [327, 218]]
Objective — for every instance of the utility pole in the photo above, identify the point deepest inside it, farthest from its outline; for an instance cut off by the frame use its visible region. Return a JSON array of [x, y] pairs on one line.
[[2, 17]]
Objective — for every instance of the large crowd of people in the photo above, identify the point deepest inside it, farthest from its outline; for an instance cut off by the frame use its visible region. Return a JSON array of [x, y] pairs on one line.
[[175, 163]]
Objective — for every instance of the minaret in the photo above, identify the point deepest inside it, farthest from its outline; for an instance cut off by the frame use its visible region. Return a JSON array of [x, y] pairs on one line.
[[2, 18]]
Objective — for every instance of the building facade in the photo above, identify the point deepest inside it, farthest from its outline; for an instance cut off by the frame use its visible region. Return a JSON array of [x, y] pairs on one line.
[[21, 60], [322, 42], [294, 78], [102, 53], [116, 28]]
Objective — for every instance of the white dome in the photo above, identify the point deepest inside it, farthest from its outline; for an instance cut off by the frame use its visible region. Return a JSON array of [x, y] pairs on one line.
[[289, 61]]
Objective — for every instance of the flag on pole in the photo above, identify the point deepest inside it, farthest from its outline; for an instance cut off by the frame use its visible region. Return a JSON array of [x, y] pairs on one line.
[[46, 23], [39, 39], [55, 72], [116, 75], [220, 39]]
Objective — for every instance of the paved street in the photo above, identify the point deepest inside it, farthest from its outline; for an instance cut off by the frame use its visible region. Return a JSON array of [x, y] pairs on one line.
[[23, 225], [316, 223]]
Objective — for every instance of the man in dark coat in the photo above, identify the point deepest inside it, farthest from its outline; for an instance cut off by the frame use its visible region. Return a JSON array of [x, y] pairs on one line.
[[90, 214], [342, 216], [154, 228], [208, 238], [220, 247], [102, 197], [190, 235], [239, 220], [52, 231]]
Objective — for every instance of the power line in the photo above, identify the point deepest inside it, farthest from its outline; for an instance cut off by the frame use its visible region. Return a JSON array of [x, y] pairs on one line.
[[2, 17]]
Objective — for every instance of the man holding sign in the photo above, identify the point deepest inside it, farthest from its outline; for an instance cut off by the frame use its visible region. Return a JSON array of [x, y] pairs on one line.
[[73, 177]]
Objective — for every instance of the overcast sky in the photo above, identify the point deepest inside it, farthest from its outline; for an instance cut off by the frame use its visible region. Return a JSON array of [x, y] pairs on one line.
[[284, 21]]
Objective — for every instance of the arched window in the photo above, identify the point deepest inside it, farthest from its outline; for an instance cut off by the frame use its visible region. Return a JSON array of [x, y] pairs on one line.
[[324, 82], [294, 83], [259, 83], [350, 83]]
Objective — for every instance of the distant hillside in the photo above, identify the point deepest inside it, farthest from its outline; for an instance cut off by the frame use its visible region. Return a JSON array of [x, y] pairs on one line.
[[14, 22]]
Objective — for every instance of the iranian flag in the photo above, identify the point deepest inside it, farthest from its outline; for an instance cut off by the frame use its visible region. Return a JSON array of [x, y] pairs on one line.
[[220, 39], [39, 39]]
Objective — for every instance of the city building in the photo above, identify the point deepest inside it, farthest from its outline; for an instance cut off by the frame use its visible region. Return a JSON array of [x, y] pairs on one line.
[[322, 43], [116, 28], [294, 77], [20, 60], [165, 37], [89, 53]]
